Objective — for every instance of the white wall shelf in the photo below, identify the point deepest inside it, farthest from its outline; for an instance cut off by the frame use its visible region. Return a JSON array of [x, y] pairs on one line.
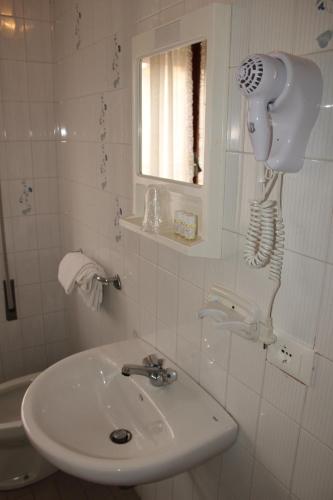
[[195, 248]]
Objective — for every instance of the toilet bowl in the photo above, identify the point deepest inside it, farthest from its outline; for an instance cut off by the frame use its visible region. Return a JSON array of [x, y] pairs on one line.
[[20, 463]]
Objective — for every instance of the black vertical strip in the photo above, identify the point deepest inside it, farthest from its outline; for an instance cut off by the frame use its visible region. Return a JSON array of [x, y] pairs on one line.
[[196, 66]]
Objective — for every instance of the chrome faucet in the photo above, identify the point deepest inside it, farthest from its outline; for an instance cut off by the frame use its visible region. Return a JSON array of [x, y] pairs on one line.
[[152, 368]]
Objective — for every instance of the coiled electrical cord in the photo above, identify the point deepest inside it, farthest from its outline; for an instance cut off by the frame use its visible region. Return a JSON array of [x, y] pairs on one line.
[[260, 238], [265, 236]]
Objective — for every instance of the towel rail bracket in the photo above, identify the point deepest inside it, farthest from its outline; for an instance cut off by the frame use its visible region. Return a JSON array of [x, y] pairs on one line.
[[114, 280]]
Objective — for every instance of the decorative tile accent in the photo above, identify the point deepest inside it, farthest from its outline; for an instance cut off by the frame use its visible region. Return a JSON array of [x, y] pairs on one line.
[[25, 198], [102, 171], [77, 28], [116, 61], [119, 213]]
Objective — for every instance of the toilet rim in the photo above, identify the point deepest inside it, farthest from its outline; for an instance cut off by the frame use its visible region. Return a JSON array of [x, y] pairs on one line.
[[11, 385]]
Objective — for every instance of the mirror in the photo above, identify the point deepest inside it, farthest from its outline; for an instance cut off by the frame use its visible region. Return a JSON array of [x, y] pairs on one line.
[[172, 114]]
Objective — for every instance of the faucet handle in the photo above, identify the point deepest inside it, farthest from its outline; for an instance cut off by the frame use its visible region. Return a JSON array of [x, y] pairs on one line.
[[153, 361]]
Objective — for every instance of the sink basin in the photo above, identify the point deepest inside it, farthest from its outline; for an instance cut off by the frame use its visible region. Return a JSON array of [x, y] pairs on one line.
[[70, 410]]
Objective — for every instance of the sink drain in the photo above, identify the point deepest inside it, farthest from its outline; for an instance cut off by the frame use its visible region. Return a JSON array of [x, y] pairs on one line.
[[121, 436]]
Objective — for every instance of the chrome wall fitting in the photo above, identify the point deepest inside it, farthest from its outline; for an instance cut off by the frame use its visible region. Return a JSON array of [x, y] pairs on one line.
[[114, 280]]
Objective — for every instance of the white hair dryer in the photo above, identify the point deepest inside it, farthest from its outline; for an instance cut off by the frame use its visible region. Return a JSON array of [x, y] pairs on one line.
[[284, 94]]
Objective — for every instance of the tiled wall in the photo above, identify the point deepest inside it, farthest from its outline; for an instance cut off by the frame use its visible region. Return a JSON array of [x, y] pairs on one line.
[[29, 187], [285, 444]]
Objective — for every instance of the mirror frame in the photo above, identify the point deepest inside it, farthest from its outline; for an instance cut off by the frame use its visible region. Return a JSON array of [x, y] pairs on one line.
[[211, 23]]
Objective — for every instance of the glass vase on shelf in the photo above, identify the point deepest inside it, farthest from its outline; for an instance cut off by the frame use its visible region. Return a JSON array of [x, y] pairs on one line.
[[157, 218]]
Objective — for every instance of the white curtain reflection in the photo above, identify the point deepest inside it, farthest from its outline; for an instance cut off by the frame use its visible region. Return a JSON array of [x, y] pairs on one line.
[[167, 131]]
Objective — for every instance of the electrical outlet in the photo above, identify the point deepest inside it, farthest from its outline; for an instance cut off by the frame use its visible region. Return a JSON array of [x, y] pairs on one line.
[[292, 357]]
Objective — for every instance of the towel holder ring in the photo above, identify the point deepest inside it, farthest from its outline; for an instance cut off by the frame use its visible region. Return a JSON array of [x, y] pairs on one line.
[[114, 280]]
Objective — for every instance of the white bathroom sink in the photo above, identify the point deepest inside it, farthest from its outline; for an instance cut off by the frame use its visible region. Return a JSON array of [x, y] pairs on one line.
[[70, 410]]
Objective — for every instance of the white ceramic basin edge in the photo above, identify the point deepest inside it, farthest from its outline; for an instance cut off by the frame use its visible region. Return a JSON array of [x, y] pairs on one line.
[[70, 410]]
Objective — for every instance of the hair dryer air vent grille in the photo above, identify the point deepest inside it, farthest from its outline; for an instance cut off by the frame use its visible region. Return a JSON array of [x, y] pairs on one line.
[[250, 74]]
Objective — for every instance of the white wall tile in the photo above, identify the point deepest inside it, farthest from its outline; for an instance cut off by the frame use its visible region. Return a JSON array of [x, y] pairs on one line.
[[215, 342], [12, 47], [320, 144], [52, 297], [247, 362], [49, 259], [188, 356], [183, 487], [148, 285], [166, 339], [190, 300], [34, 359], [32, 331], [243, 404], [236, 476], [307, 208], [18, 158], [54, 326], [56, 351], [44, 159], [240, 31], [48, 231], [324, 337], [164, 490], [42, 120], [284, 392], [168, 259], [313, 478], [318, 411], [148, 249], [266, 486], [14, 80], [232, 191], [27, 267], [29, 300], [213, 378], [297, 303], [38, 40], [11, 337], [276, 442], [192, 269], [147, 326], [16, 130], [167, 297], [46, 196], [237, 113], [206, 479], [223, 271], [13, 364], [24, 233], [37, 9], [171, 13], [130, 278], [40, 81], [272, 26], [11, 8]]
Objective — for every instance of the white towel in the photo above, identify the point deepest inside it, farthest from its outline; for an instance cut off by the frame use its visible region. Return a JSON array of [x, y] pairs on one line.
[[77, 270]]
